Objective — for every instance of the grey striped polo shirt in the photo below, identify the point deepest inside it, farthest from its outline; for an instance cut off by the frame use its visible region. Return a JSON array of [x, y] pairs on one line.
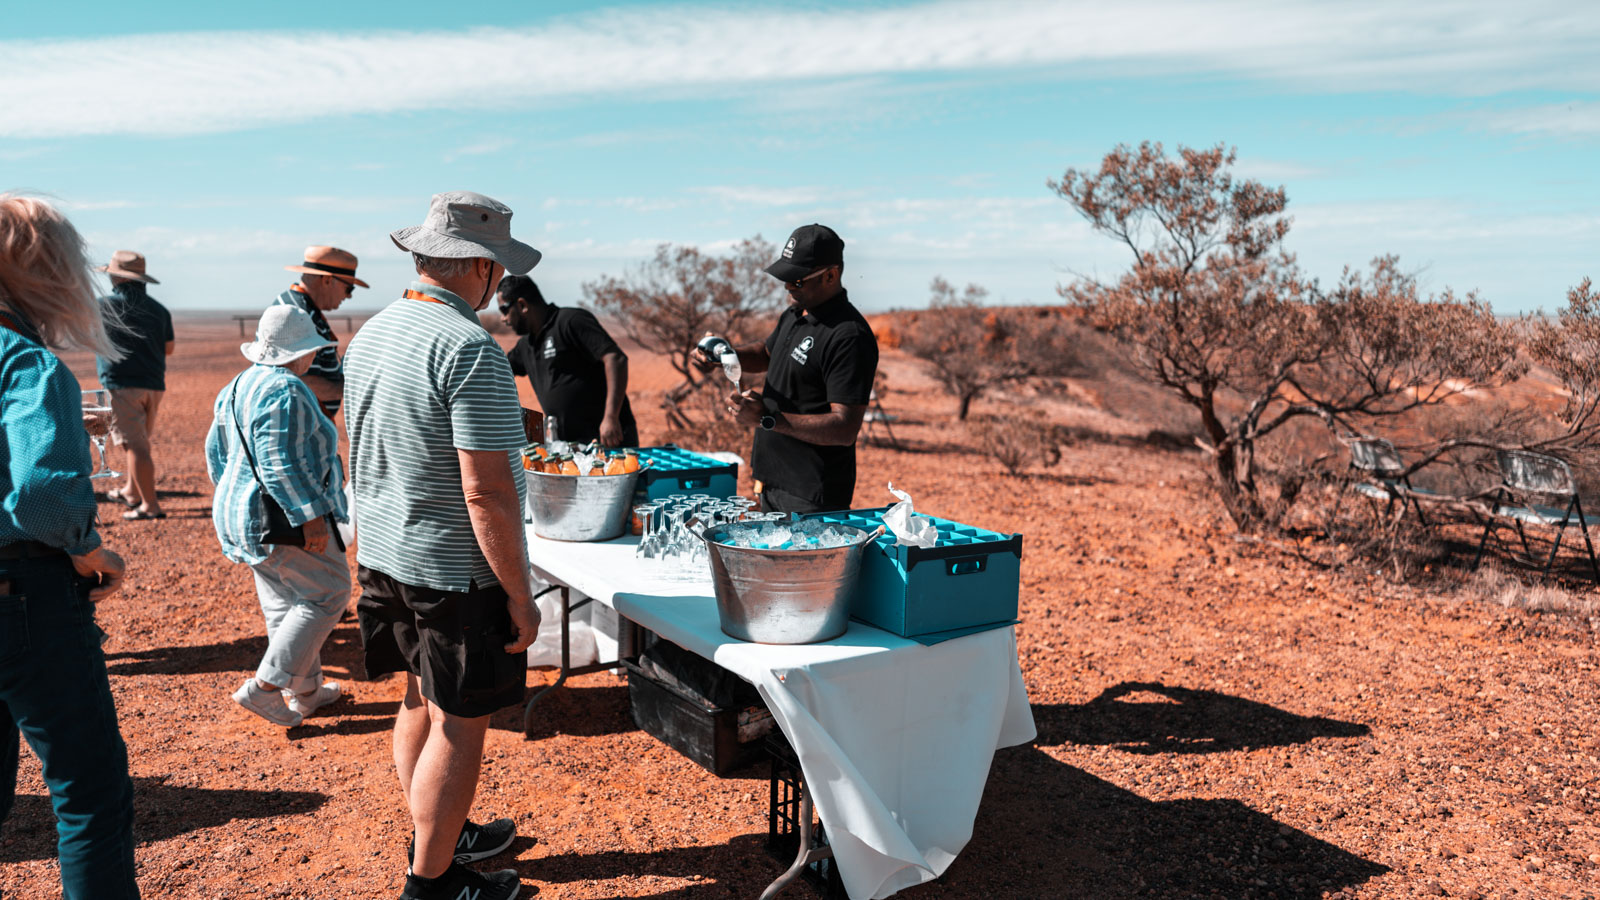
[[423, 379]]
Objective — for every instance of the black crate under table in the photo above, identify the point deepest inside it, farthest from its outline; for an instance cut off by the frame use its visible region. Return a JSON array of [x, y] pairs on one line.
[[791, 820]]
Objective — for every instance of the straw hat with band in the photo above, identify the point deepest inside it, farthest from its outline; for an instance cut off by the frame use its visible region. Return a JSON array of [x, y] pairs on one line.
[[341, 264], [285, 334], [465, 225], [127, 264]]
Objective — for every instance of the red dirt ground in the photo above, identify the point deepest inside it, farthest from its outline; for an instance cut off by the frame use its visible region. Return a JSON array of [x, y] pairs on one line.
[[1216, 718]]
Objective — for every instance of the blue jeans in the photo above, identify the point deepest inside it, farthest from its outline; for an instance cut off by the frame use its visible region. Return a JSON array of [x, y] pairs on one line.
[[53, 687]]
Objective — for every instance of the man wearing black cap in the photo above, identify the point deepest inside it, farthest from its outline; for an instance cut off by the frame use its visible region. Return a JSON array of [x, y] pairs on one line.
[[820, 362]]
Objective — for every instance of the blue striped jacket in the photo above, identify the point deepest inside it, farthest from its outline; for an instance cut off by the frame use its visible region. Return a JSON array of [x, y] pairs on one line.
[[296, 451]]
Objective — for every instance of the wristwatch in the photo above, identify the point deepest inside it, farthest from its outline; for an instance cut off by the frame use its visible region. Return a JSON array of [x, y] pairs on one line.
[[769, 422]]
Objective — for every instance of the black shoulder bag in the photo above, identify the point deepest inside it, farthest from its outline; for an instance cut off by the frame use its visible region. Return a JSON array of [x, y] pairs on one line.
[[277, 529]]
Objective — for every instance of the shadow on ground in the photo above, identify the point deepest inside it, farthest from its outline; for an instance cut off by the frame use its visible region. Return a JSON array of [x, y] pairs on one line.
[[1148, 718], [1093, 840], [581, 711], [341, 656], [160, 811]]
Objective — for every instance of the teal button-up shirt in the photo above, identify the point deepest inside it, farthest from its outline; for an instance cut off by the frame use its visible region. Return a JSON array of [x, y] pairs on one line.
[[44, 452]]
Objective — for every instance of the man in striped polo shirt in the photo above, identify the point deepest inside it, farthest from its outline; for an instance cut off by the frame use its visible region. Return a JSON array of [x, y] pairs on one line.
[[328, 278], [435, 434]]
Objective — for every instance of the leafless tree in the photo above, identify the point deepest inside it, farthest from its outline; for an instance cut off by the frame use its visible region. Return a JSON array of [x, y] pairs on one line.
[[668, 303]]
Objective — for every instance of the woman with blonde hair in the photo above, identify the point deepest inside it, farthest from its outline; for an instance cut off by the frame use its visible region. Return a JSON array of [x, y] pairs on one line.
[[53, 568]]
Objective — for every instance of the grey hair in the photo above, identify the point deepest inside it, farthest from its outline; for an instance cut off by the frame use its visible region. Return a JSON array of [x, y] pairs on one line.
[[442, 267]]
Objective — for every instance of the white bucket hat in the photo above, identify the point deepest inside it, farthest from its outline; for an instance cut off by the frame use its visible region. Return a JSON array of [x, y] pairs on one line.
[[285, 334], [465, 225]]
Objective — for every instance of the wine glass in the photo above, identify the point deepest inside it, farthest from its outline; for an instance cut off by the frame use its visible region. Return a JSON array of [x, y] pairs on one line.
[[647, 540], [98, 403]]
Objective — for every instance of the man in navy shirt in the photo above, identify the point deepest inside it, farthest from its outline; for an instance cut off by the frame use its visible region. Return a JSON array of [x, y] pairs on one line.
[[142, 330], [578, 372], [820, 362]]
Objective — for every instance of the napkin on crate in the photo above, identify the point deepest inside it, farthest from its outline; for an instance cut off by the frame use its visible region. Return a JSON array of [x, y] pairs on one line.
[[909, 530]]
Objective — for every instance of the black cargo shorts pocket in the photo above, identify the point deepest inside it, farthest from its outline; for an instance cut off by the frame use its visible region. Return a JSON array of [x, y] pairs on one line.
[[13, 626], [490, 673]]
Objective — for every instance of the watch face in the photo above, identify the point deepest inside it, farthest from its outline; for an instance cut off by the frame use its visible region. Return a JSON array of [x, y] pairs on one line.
[[768, 422]]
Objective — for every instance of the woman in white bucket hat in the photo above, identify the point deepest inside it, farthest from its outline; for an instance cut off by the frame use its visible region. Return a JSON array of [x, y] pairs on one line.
[[273, 457]]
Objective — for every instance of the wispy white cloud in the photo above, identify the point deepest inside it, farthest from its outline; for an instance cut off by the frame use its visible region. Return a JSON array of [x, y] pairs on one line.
[[96, 205], [1277, 171], [203, 82], [761, 196], [1579, 118], [482, 148]]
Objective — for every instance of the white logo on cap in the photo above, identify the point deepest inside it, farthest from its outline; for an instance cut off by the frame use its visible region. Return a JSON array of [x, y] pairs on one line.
[[788, 249]]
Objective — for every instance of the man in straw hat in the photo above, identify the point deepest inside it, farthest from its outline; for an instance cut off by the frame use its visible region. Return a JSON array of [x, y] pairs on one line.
[[435, 437], [142, 329], [328, 278]]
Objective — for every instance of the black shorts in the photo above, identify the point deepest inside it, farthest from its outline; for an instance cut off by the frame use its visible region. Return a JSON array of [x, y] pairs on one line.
[[454, 642]]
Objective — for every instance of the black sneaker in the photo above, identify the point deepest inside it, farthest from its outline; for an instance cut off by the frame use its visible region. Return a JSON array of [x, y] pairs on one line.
[[461, 883], [477, 842]]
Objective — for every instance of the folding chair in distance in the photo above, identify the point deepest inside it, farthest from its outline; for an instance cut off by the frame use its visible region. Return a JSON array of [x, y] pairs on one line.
[[1378, 464], [876, 416], [1524, 476]]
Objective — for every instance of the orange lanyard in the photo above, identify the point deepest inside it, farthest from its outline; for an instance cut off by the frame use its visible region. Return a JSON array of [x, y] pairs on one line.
[[418, 295]]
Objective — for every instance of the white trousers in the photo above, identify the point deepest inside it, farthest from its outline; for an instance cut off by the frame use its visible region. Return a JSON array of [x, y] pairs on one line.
[[302, 596]]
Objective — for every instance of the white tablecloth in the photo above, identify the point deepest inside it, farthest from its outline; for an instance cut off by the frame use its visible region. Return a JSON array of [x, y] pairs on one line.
[[895, 738]]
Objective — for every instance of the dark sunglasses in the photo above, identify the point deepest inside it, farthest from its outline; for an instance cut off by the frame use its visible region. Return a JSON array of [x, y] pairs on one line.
[[801, 282], [349, 289]]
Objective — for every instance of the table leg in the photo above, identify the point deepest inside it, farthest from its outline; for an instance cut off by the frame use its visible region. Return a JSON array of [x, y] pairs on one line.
[[567, 668], [566, 658], [807, 854]]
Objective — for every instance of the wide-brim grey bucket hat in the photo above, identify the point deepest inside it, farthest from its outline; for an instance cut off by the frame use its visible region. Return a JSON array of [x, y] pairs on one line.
[[465, 225], [285, 334]]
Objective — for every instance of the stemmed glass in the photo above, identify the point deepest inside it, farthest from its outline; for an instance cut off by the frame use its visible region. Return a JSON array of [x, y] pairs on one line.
[[649, 537], [98, 403]]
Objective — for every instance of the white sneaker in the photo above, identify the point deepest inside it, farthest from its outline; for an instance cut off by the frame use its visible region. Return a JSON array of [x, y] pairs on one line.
[[267, 704], [310, 703]]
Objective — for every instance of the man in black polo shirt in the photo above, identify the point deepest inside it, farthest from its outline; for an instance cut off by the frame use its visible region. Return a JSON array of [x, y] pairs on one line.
[[820, 362], [578, 372]]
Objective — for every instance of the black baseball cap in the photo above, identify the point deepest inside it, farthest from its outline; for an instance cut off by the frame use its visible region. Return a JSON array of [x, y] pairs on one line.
[[810, 248]]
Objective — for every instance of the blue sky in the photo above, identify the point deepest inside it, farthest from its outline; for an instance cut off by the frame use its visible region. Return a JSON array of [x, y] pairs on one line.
[[220, 141]]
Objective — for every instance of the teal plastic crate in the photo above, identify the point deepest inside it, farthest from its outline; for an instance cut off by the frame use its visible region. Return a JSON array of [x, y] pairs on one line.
[[968, 580], [677, 471]]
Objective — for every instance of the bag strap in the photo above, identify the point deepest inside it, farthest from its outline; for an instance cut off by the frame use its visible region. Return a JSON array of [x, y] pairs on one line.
[[244, 441]]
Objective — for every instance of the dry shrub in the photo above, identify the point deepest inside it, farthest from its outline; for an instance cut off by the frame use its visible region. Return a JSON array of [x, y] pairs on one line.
[[1214, 305], [1492, 584], [1016, 440], [973, 348]]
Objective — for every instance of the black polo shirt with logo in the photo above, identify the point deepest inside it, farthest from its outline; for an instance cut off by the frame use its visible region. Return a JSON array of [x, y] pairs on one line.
[[563, 363], [824, 356]]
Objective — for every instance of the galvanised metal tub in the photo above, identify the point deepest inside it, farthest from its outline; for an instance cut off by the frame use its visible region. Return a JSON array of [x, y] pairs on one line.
[[784, 596], [580, 507]]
